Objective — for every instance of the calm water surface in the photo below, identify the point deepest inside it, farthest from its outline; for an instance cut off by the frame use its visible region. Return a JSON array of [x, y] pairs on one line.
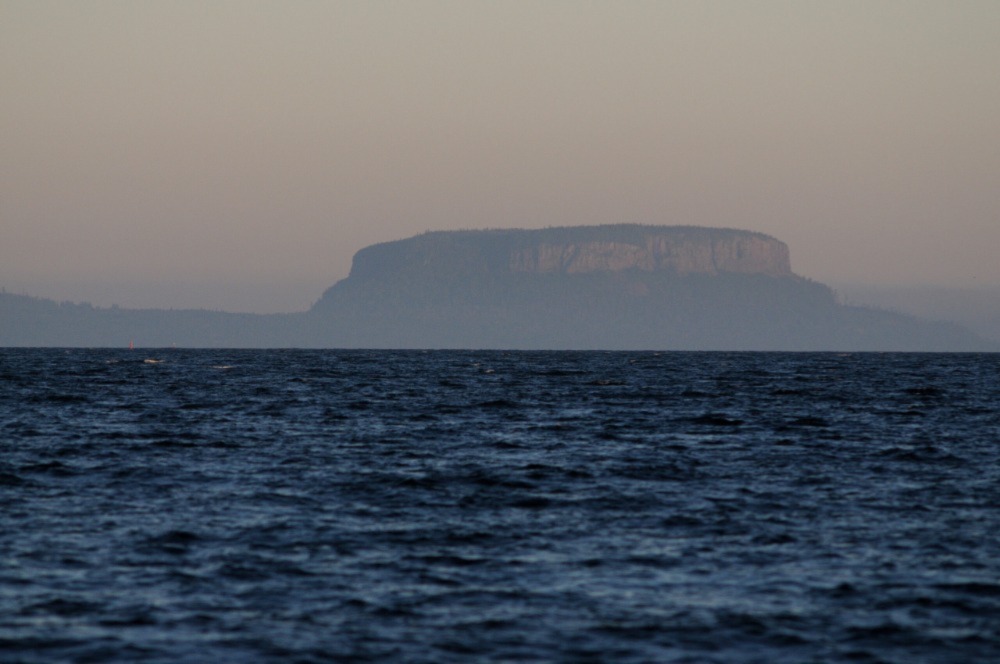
[[313, 506]]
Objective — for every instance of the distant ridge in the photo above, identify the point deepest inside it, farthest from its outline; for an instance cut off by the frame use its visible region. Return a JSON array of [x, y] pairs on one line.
[[621, 286], [613, 287]]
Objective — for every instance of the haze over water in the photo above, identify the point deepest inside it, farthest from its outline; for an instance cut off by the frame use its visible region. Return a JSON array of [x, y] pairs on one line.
[[234, 155]]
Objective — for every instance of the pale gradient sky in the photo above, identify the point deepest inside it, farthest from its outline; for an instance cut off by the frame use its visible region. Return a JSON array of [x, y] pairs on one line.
[[235, 155]]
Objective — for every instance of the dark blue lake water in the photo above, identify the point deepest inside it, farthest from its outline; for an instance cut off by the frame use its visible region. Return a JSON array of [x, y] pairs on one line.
[[313, 506]]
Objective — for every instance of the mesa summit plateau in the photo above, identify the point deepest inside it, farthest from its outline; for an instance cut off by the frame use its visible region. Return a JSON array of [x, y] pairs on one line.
[[613, 287]]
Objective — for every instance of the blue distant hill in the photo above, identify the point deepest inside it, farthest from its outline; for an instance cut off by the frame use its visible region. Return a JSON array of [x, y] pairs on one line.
[[599, 287]]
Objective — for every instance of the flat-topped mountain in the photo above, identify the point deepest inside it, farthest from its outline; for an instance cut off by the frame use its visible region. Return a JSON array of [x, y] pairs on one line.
[[604, 287], [589, 287], [576, 250]]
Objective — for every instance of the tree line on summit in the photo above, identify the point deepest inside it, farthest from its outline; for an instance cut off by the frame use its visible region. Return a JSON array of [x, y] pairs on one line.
[[613, 287]]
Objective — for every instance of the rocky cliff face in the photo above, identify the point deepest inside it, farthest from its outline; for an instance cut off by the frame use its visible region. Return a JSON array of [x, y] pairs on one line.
[[577, 250], [675, 250]]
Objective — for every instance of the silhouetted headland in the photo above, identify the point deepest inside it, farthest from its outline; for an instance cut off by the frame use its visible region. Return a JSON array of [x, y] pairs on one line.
[[609, 287]]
